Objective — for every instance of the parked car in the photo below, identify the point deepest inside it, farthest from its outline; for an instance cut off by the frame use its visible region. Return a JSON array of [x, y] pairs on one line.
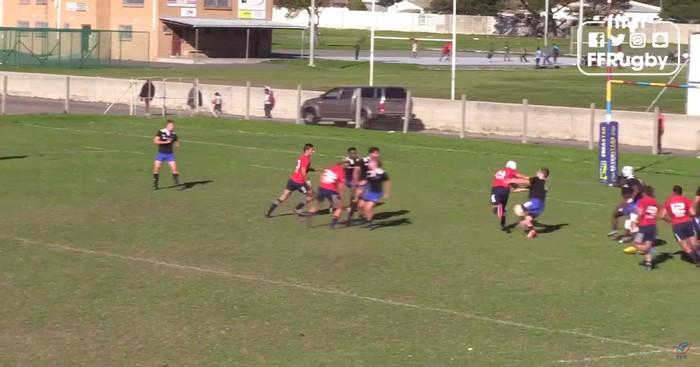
[[338, 105]]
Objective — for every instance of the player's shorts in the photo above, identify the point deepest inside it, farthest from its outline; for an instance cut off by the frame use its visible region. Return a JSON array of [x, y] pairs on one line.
[[372, 196], [683, 231], [165, 157], [626, 209], [646, 234], [295, 186], [499, 195], [330, 195], [533, 207], [696, 223]]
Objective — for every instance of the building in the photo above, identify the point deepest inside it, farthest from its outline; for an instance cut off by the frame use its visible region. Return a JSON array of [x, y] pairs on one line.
[[643, 12], [409, 6], [175, 28]]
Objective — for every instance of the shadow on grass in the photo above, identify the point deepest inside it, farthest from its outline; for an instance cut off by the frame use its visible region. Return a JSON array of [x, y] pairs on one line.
[[549, 228], [192, 184], [9, 157]]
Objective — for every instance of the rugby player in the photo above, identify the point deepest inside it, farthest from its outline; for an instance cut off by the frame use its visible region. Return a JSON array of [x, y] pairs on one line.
[[500, 189], [166, 139], [332, 178], [378, 186], [631, 190], [534, 206], [678, 210], [647, 214], [351, 162], [297, 182], [359, 179]]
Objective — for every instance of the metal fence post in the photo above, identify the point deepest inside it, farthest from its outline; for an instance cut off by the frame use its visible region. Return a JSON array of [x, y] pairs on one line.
[[247, 100], [464, 117], [66, 105], [132, 98], [591, 127], [196, 97], [4, 94], [655, 133], [407, 112], [358, 108], [525, 107], [298, 106], [165, 98]]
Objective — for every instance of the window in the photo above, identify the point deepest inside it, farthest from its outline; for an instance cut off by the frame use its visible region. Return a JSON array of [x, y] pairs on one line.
[[395, 93], [125, 33], [42, 33], [221, 4], [132, 2], [368, 93], [24, 2], [332, 94], [22, 24], [347, 93], [41, 2]]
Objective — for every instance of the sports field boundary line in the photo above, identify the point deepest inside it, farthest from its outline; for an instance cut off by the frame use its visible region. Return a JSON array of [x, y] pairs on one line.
[[613, 356], [334, 292]]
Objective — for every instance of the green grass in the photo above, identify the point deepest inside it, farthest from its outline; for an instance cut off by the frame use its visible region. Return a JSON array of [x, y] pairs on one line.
[[564, 87], [199, 277], [344, 39]]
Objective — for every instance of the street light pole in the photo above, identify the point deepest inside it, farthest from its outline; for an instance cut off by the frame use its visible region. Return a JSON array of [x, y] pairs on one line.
[[454, 47], [312, 36], [546, 21], [371, 44]]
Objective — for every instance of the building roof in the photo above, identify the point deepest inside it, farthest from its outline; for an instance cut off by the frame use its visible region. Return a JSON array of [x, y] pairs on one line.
[[199, 22], [637, 7]]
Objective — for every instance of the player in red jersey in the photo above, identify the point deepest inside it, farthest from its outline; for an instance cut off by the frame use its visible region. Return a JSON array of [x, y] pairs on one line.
[[332, 179], [500, 189], [648, 212], [297, 182], [678, 210]]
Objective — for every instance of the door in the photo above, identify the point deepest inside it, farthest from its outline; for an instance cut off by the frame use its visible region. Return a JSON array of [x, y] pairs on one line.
[[344, 108], [85, 39], [326, 104], [394, 101], [176, 47]]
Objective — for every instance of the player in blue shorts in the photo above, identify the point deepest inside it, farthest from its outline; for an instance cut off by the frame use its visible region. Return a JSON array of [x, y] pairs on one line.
[[166, 139], [378, 187], [359, 179], [631, 189], [534, 206]]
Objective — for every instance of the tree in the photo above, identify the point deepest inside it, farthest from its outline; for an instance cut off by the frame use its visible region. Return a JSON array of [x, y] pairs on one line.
[[294, 7], [356, 5], [468, 7], [682, 11], [595, 7]]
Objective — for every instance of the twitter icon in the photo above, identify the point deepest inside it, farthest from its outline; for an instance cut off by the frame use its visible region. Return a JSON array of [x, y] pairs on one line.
[[617, 40]]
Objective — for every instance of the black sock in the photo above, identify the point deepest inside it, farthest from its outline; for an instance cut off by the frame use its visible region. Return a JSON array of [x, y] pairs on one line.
[[274, 206], [155, 179], [694, 257], [334, 221], [503, 221], [176, 178], [300, 205]]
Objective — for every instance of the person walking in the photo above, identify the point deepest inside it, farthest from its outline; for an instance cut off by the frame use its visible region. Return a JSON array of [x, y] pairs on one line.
[[269, 102], [547, 57], [217, 102], [414, 48], [523, 56], [446, 51], [194, 99], [506, 57], [538, 57], [555, 52], [148, 91], [491, 51], [662, 128], [356, 47]]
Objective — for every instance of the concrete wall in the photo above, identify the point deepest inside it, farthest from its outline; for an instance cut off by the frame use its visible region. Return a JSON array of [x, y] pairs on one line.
[[342, 18], [636, 128], [685, 31]]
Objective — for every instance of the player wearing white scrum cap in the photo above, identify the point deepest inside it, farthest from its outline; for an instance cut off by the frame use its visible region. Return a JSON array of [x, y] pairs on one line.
[[500, 190]]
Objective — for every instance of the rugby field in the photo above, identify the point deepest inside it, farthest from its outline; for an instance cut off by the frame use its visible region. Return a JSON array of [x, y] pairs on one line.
[[96, 269]]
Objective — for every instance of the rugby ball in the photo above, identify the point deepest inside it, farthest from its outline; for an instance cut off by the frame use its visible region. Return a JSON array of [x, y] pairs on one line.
[[518, 210]]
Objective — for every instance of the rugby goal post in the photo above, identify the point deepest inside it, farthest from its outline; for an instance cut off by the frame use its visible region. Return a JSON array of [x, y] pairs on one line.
[[693, 94]]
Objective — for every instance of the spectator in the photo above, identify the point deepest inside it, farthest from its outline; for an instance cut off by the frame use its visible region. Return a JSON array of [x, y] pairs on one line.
[[507, 55], [662, 128], [547, 57], [414, 48], [446, 51], [490, 52], [555, 52], [191, 99], [356, 47], [523, 57], [217, 102], [148, 91], [538, 57], [269, 101]]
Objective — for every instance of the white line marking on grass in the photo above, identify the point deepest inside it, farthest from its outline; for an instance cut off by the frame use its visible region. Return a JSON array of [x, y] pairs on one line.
[[553, 199], [314, 289], [268, 167], [614, 356]]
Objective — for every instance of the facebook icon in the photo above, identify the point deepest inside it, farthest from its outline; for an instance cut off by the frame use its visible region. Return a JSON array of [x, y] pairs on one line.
[[596, 39]]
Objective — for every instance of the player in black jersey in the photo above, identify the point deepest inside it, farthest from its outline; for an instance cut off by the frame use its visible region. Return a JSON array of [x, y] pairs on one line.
[[166, 140], [534, 206], [359, 178], [631, 189]]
